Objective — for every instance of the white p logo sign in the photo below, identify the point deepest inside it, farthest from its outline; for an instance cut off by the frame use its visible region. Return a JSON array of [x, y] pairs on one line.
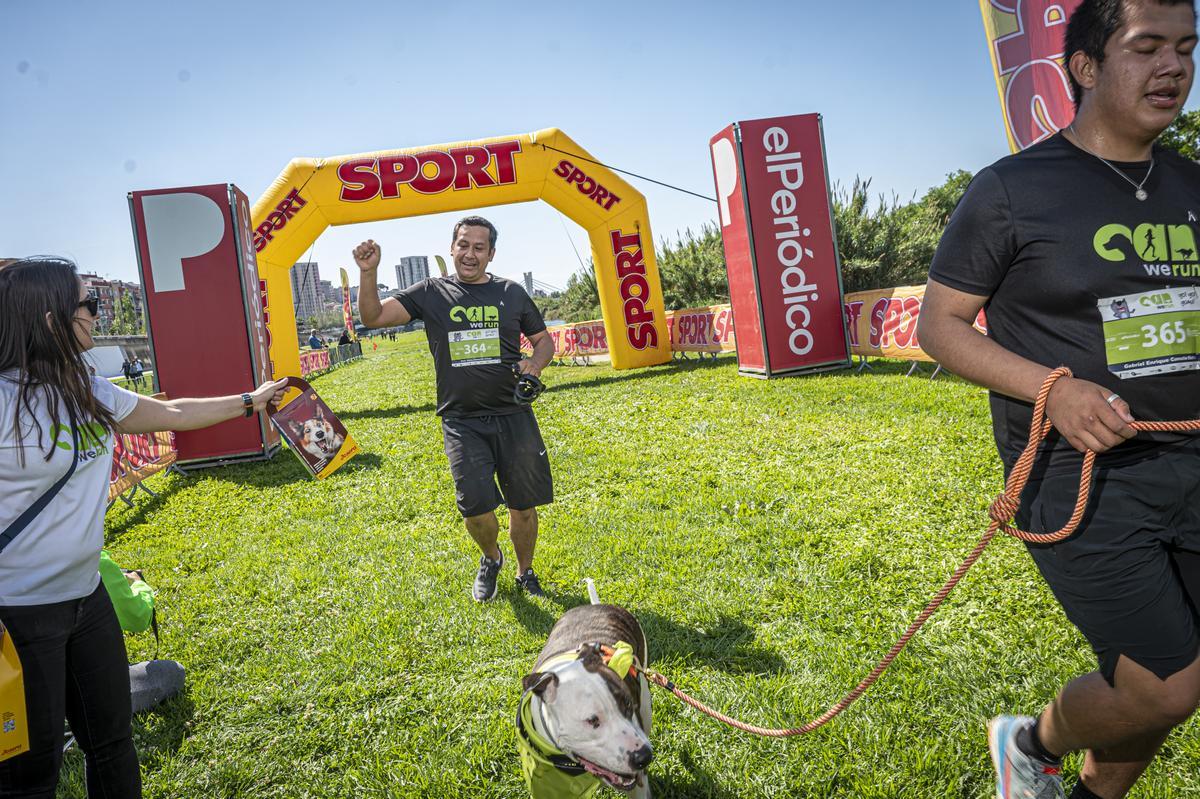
[[725, 167], [179, 226]]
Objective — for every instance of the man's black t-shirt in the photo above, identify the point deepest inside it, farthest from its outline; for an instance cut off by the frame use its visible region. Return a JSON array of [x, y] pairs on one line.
[[474, 332], [1081, 273]]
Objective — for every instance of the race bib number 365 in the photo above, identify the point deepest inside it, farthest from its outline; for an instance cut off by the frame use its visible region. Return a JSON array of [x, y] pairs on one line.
[[1152, 333], [474, 347]]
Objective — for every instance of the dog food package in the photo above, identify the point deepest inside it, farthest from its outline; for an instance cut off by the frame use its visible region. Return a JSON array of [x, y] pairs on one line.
[[311, 430], [14, 734]]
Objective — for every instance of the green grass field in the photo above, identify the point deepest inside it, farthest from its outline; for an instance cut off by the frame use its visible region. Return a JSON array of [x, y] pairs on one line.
[[773, 538]]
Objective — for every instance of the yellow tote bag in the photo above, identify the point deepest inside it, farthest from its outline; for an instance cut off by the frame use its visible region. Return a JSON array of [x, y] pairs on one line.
[[14, 732]]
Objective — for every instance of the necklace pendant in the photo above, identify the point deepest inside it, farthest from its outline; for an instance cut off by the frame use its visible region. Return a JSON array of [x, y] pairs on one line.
[[1141, 194]]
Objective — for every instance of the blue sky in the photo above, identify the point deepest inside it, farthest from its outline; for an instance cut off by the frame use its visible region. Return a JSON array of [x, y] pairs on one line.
[[100, 99]]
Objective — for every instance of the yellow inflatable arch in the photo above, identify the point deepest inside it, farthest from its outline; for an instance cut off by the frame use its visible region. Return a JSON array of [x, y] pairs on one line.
[[313, 193]]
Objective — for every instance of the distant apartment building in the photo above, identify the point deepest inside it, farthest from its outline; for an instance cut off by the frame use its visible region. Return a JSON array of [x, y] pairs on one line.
[[307, 296], [411, 270], [331, 293], [110, 294]]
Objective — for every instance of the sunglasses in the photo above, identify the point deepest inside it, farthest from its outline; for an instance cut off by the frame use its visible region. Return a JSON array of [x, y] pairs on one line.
[[92, 303]]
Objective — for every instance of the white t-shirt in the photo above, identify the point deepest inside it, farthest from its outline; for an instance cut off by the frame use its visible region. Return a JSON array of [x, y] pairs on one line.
[[56, 557]]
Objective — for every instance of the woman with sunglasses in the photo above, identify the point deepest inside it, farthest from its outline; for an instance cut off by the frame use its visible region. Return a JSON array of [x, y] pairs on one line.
[[56, 428]]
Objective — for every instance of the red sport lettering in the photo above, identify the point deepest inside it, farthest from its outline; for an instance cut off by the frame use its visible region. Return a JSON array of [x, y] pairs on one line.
[[470, 167], [587, 185], [631, 270], [288, 207], [429, 172], [503, 152], [359, 181]]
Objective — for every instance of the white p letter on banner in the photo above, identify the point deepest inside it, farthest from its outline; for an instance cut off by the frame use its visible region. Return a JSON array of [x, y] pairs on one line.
[[725, 166], [179, 226]]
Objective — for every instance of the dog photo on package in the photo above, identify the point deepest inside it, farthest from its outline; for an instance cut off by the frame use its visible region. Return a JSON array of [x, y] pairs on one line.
[[314, 433]]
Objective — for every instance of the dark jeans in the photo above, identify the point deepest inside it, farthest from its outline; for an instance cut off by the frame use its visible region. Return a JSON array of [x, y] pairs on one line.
[[73, 658]]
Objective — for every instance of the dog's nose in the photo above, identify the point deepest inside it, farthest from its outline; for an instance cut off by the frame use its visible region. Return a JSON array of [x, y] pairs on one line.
[[640, 758]]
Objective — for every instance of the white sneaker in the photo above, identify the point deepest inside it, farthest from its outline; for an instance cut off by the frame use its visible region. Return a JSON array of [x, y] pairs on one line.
[[1018, 775]]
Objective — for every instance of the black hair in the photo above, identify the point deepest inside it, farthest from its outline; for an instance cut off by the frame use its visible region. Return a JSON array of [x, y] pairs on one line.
[[46, 358], [1091, 25], [476, 221]]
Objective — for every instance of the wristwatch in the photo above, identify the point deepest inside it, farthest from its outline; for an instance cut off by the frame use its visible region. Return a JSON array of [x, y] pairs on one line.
[[249, 404]]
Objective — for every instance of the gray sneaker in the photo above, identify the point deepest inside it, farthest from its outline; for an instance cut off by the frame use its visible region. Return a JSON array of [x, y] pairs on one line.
[[1018, 775], [529, 581], [485, 580]]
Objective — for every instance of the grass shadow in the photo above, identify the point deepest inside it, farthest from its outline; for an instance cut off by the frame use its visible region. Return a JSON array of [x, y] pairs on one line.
[[286, 469], [389, 412], [699, 783], [726, 644], [530, 613], [142, 508], [160, 732]]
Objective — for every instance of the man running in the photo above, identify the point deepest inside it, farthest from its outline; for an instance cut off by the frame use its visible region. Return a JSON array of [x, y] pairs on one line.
[[473, 322], [1047, 241]]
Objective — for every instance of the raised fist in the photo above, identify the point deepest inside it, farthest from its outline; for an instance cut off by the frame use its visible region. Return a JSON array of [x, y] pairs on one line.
[[366, 255]]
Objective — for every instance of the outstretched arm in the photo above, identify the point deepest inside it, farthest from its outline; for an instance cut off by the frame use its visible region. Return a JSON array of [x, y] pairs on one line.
[[151, 415]]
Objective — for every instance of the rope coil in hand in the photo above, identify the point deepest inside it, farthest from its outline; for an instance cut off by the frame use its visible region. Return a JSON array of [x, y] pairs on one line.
[[1002, 511]]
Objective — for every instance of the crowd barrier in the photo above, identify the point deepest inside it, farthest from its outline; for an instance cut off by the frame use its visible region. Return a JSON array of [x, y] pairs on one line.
[[314, 362], [881, 323]]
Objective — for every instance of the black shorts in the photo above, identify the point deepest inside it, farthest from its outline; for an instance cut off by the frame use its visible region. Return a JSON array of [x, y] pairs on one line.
[[484, 448], [1129, 578]]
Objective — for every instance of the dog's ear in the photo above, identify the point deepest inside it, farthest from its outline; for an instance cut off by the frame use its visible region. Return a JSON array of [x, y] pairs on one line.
[[320, 413], [296, 428], [544, 685], [591, 660]]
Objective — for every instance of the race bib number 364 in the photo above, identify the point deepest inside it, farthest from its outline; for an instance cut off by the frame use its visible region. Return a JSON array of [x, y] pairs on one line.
[[474, 347], [1152, 333]]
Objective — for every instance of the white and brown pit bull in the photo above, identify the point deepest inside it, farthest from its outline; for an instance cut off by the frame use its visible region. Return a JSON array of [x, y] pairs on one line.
[[585, 710]]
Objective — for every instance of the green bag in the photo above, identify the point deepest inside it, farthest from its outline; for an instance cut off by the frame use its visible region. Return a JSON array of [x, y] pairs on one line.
[[134, 602]]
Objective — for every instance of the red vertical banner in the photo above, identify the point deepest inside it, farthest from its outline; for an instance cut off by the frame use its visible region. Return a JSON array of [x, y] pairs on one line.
[[739, 263], [205, 316], [1026, 40], [792, 260], [347, 310]]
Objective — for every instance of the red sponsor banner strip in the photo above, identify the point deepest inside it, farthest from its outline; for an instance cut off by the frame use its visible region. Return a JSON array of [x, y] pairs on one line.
[[313, 361], [576, 340], [883, 323], [708, 329]]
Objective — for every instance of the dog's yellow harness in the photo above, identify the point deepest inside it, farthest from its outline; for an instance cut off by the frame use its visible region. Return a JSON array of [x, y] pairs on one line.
[[549, 772]]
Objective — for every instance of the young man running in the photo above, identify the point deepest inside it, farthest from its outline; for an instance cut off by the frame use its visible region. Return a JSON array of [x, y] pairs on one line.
[[474, 321], [1083, 250]]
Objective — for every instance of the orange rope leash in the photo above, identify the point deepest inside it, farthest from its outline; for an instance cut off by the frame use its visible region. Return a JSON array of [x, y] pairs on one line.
[[1002, 510]]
